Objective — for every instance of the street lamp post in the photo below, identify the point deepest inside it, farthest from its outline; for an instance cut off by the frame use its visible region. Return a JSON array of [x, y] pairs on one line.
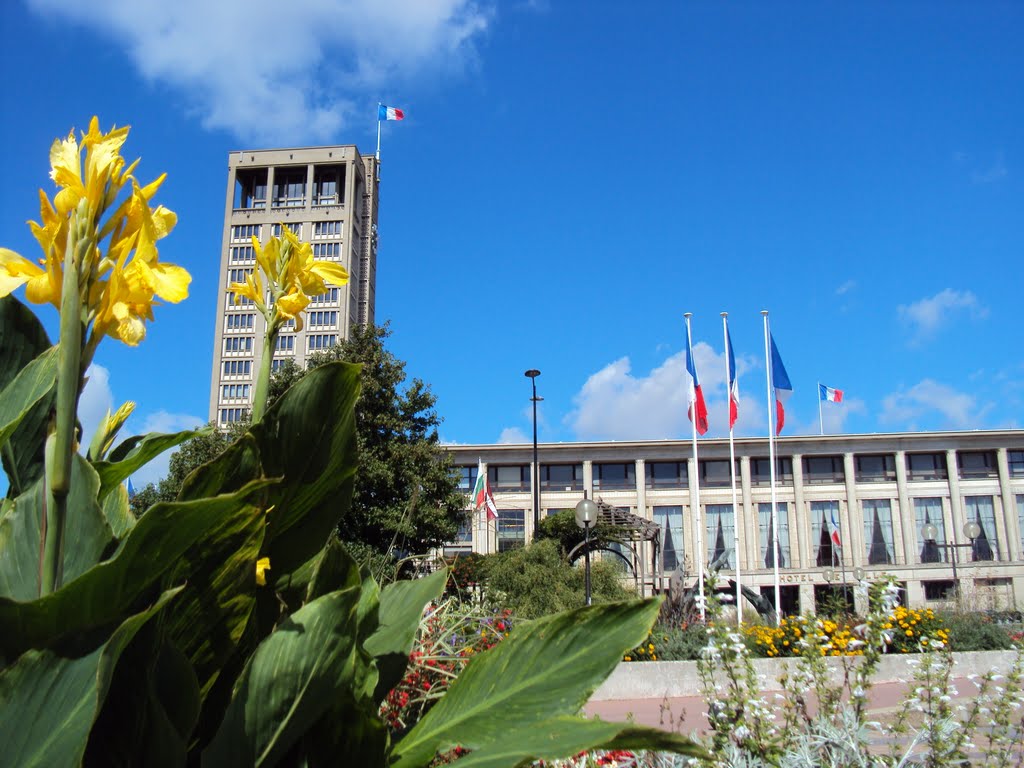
[[586, 516], [532, 374], [971, 530]]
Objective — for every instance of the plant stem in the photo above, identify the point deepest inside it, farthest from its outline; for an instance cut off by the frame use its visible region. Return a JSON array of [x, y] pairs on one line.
[[60, 443], [262, 390]]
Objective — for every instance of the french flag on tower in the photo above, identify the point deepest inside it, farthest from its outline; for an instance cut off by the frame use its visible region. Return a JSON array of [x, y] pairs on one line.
[[829, 395], [698, 411], [389, 113], [734, 386], [780, 383]]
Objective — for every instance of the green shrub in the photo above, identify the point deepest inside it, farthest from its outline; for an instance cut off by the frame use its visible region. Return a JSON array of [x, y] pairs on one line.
[[680, 643], [537, 580], [975, 632]]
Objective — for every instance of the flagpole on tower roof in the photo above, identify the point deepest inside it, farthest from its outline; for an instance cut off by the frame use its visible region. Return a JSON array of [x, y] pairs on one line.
[[379, 105]]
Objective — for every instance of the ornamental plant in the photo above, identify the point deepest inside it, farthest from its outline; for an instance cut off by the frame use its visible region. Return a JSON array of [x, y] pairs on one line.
[[228, 627]]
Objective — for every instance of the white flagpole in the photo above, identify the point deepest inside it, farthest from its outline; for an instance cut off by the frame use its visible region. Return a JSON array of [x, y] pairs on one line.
[[732, 474], [696, 482], [821, 424], [774, 543], [378, 131]]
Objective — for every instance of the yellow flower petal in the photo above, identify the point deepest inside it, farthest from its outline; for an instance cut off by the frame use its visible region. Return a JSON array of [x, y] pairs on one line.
[[330, 272], [262, 566]]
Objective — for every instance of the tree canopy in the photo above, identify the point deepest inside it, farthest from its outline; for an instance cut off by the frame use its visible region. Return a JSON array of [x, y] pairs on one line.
[[406, 492]]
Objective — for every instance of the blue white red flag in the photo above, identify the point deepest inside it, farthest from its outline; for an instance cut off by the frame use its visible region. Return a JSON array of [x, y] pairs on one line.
[[835, 532], [734, 386], [780, 383], [698, 411], [829, 395], [389, 113]]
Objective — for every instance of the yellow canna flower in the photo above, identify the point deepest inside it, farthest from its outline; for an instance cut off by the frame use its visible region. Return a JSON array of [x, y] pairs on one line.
[[119, 287], [262, 566]]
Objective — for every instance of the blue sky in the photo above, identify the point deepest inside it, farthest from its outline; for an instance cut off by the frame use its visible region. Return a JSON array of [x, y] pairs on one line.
[[570, 179]]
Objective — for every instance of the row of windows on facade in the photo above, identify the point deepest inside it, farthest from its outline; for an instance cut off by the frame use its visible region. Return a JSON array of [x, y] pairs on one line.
[[330, 296], [283, 343], [289, 190], [243, 369], [714, 473], [246, 254], [233, 301], [244, 233], [826, 536]]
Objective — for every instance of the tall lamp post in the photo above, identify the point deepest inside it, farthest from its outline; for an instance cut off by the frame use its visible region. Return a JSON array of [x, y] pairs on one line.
[[971, 530], [586, 516], [532, 374]]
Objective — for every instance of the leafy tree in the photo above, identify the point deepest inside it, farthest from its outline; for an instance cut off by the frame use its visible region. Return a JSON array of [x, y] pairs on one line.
[[561, 526], [406, 493]]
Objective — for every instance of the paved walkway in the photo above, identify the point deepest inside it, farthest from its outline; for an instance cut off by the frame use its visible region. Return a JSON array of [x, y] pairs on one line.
[[688, 714]]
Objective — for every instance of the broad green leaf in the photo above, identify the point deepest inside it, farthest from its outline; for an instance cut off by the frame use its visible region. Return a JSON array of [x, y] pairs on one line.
[[544, 670], [566, 736], [31, 385], [333, 569], [313, 661], [118, 512], [308, 437], [136, 452], [208, 620], [22, 339], [151, 707], [401, 608], [107, 592], [48, 703], [236, 466], [86, 534]]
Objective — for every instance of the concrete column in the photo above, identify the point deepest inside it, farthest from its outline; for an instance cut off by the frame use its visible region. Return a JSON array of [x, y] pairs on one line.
[[854, 519], [807, 598], [641, 491], [799, 525], [308, 202], [588, 478], [1013, 532], [907, 518]]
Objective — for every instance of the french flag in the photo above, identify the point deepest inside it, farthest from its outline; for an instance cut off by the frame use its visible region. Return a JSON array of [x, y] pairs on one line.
[[734, 387], [698, 411], [780, 383], [389, 113], [829, 395], [835, 532]]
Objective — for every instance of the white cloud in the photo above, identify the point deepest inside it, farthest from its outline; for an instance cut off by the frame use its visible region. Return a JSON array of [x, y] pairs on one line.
[[276, 73], [927, 315], [512, 435], [846, 287], [614, 404], [95, 401], [928, 397]]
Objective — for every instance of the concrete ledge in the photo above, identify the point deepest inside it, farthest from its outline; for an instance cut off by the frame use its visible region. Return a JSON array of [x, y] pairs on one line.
[[678, 679]]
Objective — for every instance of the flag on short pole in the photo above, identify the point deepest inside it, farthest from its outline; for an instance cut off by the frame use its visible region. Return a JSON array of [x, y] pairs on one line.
[[482, 497], [389, 113], [835, 532], [830, 395], [734, 386], [781, 385], [698, 410]]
